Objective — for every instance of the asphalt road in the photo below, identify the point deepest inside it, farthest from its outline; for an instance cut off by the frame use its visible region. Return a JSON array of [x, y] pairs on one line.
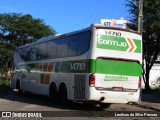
[[30, 102]]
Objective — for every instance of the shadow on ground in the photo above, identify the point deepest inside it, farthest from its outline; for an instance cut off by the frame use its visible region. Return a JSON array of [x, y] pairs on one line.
[[45, 101]]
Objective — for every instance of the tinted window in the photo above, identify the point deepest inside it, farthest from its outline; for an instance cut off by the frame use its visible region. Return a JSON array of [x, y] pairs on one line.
[[33, 52], [24, 53], [51, 49], [84, 41], [16, 57], [41, 51], [62, 49], [69, 46], [73, 45]]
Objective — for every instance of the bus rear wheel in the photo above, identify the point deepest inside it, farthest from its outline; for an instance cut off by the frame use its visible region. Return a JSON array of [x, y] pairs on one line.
[[63, 95], [53, 93]]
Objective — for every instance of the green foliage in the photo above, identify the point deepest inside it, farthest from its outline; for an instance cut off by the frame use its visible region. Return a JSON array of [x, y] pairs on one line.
[[20, 29], [151, 32], [17, 30], [4, 81], [133, 10]]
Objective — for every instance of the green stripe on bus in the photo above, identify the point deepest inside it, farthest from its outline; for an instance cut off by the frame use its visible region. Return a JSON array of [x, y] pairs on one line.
[[138, 44], [77, 66], [99, 66], [114, 67], [42, 75], [118, 67]]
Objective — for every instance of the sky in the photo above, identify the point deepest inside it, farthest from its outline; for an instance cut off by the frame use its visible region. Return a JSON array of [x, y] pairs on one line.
[[67, 15]]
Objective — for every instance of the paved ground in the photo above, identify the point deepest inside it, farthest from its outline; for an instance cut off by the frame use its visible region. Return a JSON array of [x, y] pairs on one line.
[[151, 100], [30, 102]]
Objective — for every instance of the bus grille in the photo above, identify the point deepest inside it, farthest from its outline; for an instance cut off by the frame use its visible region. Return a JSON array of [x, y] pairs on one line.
[[79, 87]]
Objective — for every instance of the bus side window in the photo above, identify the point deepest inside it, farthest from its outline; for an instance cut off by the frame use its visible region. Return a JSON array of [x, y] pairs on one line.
[[62, 49], [73, 46], [16, 59], [51, 49], [84, 41], [24, 54], [33, 52], [41, 51]]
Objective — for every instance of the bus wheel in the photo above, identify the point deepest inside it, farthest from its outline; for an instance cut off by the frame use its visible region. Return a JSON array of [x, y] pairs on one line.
[[63, 95], [104, 105], [53, 93], [18, 87]]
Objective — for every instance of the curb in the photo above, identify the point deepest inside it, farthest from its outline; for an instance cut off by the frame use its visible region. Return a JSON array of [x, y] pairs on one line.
[[141, 105]]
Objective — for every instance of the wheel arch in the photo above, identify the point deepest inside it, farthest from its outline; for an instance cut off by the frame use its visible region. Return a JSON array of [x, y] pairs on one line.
[[18, 83], [54, 85], [62, 84]]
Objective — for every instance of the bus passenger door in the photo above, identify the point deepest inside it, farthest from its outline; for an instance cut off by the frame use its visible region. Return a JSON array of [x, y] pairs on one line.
[[22, 76]]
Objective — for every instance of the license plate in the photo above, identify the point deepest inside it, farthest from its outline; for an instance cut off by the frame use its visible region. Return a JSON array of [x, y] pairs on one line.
[[117, 88]]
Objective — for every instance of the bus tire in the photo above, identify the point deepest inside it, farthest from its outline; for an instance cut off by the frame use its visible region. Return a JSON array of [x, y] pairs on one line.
[[104, 105], [53, 93], [18, 87], [63, 95]]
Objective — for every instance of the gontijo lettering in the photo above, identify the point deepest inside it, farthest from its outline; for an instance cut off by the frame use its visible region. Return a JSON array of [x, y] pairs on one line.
[[119, 43], [114, 43]]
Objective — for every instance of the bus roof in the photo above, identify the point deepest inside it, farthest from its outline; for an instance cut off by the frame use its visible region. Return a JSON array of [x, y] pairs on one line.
[[113, 28], [44, 39]]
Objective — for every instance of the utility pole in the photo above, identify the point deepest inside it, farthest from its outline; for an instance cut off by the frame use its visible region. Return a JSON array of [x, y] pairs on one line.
[[140, 17]]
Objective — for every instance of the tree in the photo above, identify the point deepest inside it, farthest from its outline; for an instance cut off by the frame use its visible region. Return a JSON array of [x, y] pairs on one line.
[[151, 33], [17, 30]]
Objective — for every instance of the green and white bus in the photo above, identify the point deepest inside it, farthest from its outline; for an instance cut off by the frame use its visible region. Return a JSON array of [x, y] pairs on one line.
[[97, 64]]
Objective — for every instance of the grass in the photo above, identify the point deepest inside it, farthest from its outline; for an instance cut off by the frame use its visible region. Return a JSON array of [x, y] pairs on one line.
[[4, 81]]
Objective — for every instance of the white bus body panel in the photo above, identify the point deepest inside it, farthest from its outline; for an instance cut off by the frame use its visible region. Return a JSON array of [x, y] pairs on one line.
[[78, 83]]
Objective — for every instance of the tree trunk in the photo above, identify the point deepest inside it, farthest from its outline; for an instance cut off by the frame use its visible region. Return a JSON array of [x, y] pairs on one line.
[[147, 87], [6, 73]]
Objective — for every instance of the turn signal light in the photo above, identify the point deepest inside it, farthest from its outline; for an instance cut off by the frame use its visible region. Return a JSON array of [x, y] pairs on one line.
[[139, 82], [92, 80]]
